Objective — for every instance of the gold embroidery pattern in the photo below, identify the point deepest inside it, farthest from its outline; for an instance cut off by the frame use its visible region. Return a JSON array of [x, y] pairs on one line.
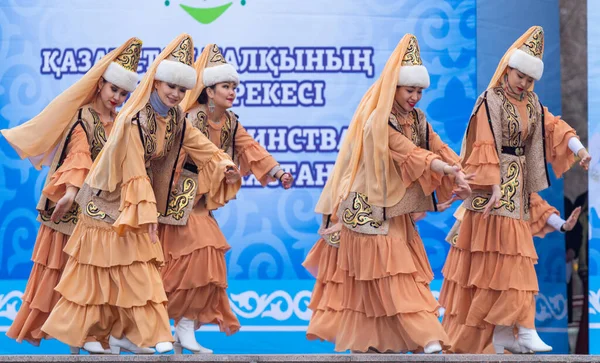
[[215, 56], [414, 127], [226, 133], [183, 52], [98, 136], [150, 135], [334, 238], [71, 216], [534, 45], [512, 117], [202, 122], [170, 131], [179, 201], [412, 57], [131, 56], [454, 239], [93, 211], [508, 189], [360, 214], [532, 113]]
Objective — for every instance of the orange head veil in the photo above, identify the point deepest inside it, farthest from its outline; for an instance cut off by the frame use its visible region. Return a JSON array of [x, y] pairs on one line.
[[174, 65], [366, 143], [38, 138]]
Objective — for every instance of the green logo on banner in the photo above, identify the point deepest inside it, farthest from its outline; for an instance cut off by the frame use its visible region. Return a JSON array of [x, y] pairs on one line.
[[206, 15]]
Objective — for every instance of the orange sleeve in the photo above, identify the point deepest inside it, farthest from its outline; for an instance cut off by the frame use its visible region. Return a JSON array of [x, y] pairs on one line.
[[439, 147], [482, 157], [138, 204], [253, 157], [212, 163], [540, 211], [558, 133], [74, 167], [414, 163]]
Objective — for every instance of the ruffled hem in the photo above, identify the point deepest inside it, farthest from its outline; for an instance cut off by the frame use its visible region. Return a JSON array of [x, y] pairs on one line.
[[95, 243], [505, 235], [73, 171], [39, 293], [467, 339], [327, 296], [73, 324], [484, 164], [256, 160], [540, 211], [205, 305], [398, 333], [558, 133], [324, 325], [28, 325], [475, 307], [38, 300], [122, 286], [417, 167], [199, 268], [138, 205], [369, 257], [321, 262], [491, 270], [211, 181], [180, 241], [48, 248]]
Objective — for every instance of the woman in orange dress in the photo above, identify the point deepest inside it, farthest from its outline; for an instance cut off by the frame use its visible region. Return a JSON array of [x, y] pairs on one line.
[[544, 219], [67, 135], [489, 277], [195, 274], [372, 290], [111, 287]]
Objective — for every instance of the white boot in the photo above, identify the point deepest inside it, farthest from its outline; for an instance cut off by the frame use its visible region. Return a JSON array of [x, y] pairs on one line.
[[185, 338], [504, 338], [93, 348], [116, 345], [164, 347], [432, 347], [529, 339]]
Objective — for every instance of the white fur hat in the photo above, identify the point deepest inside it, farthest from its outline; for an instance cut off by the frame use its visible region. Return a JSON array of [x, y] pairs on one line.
[[528, 57], [177, 68], [122, 72], [217, 70], [412, 71]]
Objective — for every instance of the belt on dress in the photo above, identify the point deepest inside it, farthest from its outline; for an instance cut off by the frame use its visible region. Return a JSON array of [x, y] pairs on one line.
[[513, 150]]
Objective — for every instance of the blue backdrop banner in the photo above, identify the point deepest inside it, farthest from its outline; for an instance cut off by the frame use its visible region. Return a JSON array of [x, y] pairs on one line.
[[304, 67]]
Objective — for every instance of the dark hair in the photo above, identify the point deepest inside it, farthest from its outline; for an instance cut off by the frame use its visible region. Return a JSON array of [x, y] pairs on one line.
[[203, 98]]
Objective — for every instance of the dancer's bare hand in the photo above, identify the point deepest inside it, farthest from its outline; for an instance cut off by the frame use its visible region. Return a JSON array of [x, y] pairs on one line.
[[494, 201], [153, 231], [417, 216], [572, 221], [232, 175], [585, 158], [64, 204], [287, 180]]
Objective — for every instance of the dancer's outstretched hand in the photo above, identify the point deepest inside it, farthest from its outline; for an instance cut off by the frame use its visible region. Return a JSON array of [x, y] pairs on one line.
[[287, 180], [232, 175], [572, 221], [585, 158], [462, 190]]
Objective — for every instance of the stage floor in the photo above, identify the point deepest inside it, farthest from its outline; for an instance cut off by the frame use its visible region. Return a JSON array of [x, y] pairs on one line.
[[299, 358]]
